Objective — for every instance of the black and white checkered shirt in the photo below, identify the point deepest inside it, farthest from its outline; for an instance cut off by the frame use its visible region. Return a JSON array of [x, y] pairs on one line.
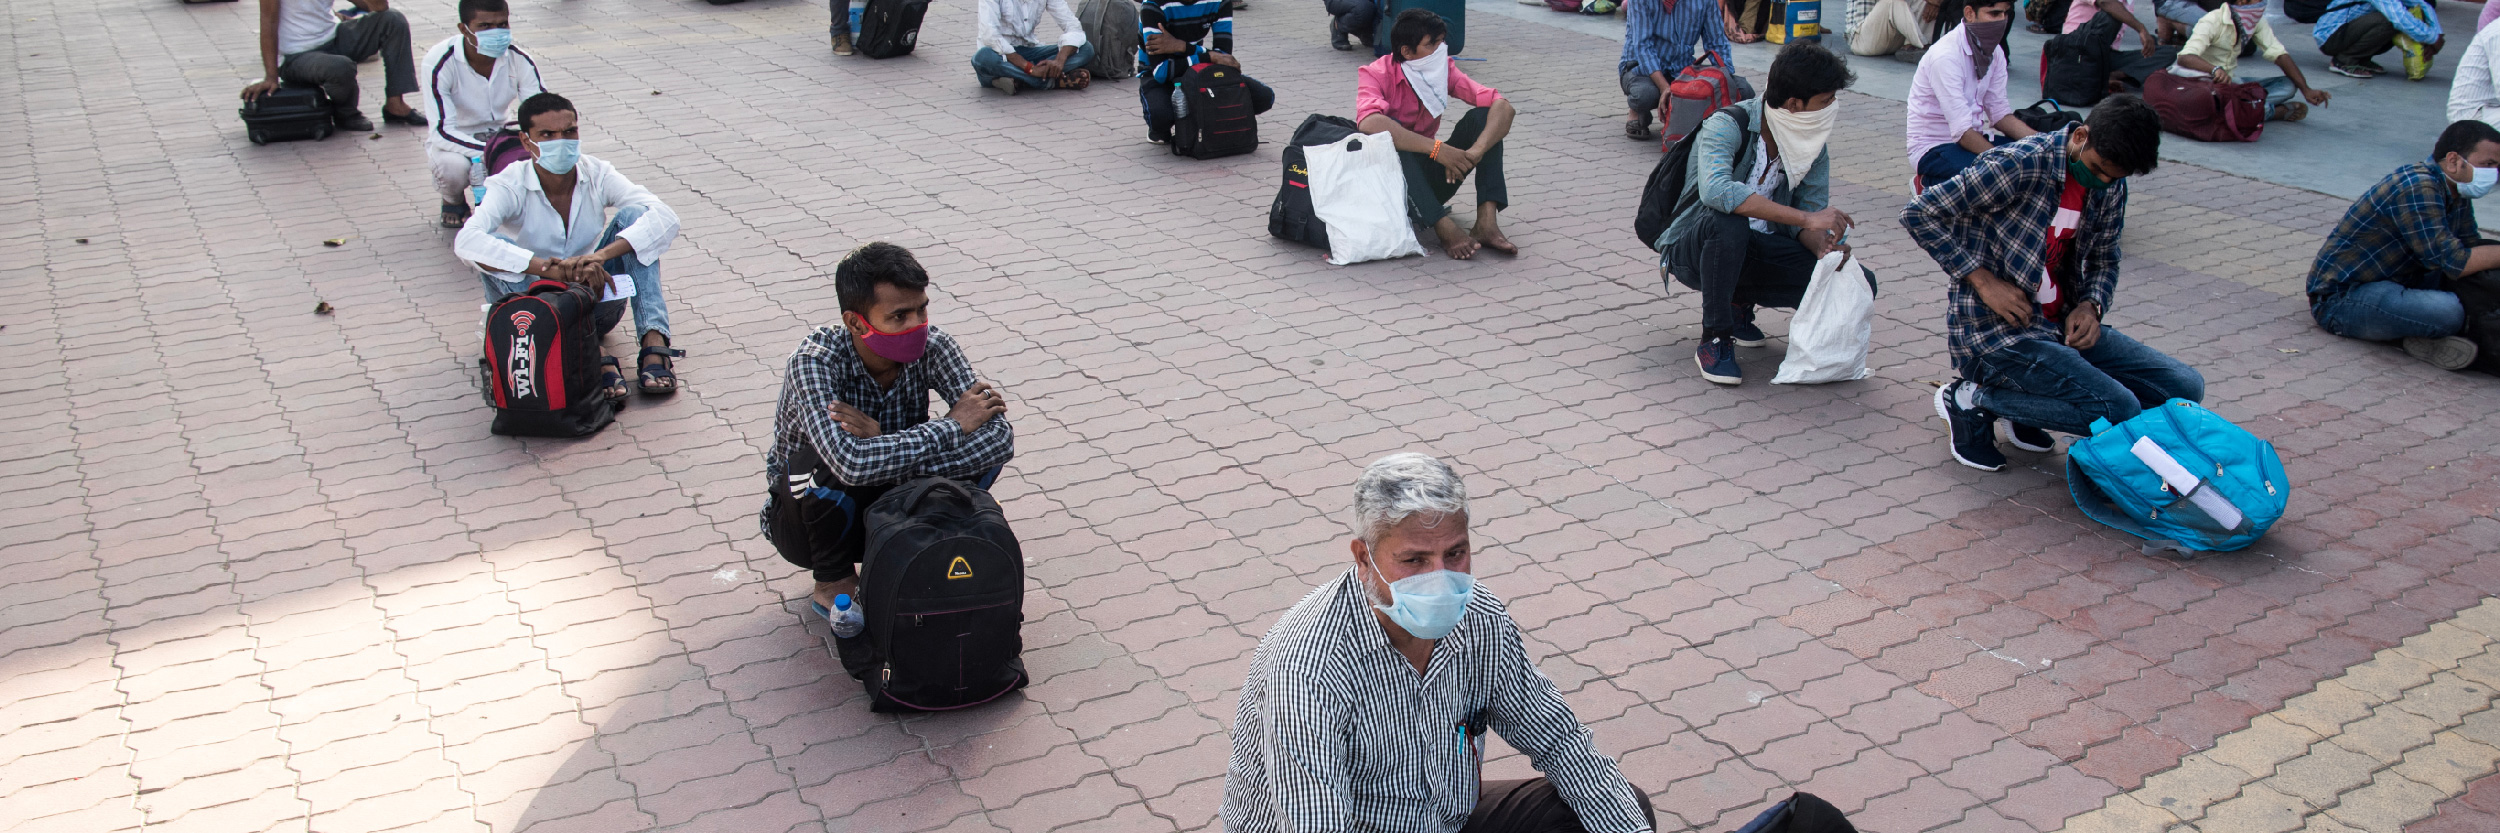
[[826, 369], [1336, 732]]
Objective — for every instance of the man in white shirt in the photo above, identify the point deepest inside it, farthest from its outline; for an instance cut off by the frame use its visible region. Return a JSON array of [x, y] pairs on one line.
[[1957, 105], [303, 41], [2473, 95], [548, 219], [471, 80], [1885, 27], [1012, 58]]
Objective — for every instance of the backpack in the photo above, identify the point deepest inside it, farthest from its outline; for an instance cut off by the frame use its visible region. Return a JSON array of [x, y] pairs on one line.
[[944, 585], [1662, 199], [2047, 14], [541, 368], [2480, 293], [1563, 5], [888, 28], [286, 114], [1698, 91], [2074, 67], [2179, 476], [1801, 813], [1291, 217], [503, 148], [1111, 26], [1219, 119], [2205, 111], [2047, 116]]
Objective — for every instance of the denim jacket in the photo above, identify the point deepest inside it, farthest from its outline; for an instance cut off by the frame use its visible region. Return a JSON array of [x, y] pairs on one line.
[[1722, 160]]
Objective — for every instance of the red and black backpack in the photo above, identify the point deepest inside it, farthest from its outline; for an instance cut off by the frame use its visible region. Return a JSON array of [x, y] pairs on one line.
[[542, 363]]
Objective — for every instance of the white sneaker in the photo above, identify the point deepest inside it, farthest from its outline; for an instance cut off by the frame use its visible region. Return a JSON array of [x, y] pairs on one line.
[[1005, 84], [2445, 353]]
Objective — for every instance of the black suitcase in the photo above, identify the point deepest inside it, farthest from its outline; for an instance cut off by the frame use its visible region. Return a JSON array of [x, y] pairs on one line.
[[1291, 216], [943, 581], [890, 27], [290, 113], [1221, 120]]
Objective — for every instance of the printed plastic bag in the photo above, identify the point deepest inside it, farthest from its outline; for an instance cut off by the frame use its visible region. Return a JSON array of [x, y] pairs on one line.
[[1359, 191], [1827, 339]]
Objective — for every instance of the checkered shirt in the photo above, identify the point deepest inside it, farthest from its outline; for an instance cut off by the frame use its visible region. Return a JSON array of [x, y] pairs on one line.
[[1336, 732], [2412, 227], [1996, 216], [826, 369]]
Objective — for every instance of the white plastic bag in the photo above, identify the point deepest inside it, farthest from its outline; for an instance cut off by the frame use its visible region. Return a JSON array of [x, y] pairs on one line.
[[1827, 339], [1359, 191]]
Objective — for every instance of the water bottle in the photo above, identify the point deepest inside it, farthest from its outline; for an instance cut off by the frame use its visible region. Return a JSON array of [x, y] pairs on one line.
[[847, 620], [477, 180], [855, 20]]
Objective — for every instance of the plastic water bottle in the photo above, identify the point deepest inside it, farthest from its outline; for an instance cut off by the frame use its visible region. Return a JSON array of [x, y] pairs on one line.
[[847, 620], [855, 20]]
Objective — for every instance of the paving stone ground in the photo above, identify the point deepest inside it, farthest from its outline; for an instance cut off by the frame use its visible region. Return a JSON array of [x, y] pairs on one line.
[[266, 570]]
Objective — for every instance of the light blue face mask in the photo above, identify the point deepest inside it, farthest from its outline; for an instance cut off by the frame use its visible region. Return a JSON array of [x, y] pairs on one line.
[[2484, 179], [559, 155], [493, 42], [1428, 605]]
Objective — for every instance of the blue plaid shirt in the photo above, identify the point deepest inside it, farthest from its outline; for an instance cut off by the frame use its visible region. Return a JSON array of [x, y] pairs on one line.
[[826, 369], [2412, 227], [1658, 40], [2339, 12], [1996, 216]]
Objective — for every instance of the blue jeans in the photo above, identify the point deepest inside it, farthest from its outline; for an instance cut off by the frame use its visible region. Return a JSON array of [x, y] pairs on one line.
[[988, 65], [650, 310], [2045, 384], [2387, 311], [1947, 160]]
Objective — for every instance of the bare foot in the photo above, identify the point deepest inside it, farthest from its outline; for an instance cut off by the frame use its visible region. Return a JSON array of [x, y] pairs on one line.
[[1491, 238], [1459, 245]]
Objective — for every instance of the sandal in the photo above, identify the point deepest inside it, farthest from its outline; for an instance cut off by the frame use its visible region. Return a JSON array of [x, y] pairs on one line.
[[455, 215], [612, 378], [657, 379], [1076, 79]]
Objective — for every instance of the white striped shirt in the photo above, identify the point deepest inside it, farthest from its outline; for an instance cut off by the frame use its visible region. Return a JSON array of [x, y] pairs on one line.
[[1336, 732]]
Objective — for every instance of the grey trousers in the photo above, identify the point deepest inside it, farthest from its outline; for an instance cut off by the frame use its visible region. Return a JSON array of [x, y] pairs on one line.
[[1640, 92], [332, 65], [2360, 38]]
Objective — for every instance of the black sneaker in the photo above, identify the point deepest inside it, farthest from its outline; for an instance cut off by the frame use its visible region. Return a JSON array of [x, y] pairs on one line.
[[2027, 438], [2350, 69], [1974, 443], [1717, 360], [1748, 335]]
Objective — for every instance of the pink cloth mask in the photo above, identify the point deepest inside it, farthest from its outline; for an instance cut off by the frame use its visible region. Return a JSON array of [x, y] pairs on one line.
[[2249, 15], [904, 347]]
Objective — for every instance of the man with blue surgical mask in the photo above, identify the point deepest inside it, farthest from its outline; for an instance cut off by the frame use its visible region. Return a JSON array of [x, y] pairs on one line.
[[1367, 703], [472, 80], [549, 220], [2393, 267]]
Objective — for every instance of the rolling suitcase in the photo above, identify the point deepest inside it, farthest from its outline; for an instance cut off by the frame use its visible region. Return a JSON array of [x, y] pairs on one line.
[[888, 28], [291, 113], [1452, 11]]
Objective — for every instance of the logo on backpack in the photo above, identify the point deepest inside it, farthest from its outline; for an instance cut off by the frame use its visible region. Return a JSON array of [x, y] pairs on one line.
[[523, 361], [958, 569]]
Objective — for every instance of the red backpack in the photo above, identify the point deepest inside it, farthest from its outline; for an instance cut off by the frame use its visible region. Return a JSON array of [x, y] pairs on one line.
[[1697, 92], [541, 365], [2205, 111]]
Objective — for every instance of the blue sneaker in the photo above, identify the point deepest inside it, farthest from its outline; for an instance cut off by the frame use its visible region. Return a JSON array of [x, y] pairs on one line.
[[2027, 438], [1717, 360], [1974, 441], [1748, 335]]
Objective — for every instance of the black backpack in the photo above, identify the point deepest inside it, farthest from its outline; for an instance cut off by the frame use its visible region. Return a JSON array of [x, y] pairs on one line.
[[1801, 813], [286, 114], [1291, 217], [2074, 67], [890, 27], [943, 581], [1662, 198], [541, 368], [1221, 120], [2480, 294]]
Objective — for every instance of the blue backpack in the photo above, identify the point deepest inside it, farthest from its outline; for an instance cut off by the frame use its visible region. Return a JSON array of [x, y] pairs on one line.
[[2180, 477]]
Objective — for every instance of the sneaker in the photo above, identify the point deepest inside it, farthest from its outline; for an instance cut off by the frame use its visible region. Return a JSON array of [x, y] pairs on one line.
[[1005, 84], [842, 44], [1973, 444], [2027, 438], [2447, 353], [2371, 64], [2350, 69], [2291, 111], [1748, 335], [1717, 360]]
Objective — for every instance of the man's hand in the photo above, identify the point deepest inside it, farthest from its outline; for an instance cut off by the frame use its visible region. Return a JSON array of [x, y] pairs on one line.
[[976, 406], [1456, 163], [853, 421], [586, 270], [2083, 326], [1223, 60], [2221, 76], [2005, 299], [1821, 243], [260, 88], [1829, 219], [1163, 44], [2317, 97], [1045, 70]]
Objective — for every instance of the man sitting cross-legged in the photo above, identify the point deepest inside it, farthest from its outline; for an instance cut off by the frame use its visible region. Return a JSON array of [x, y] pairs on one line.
[[1012, 56], [1404, 94], [854, 419]]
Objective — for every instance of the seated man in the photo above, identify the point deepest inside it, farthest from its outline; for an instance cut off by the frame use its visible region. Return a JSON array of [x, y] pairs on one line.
[[1957, 106], [2382, 275], [472, 79], [1403, 94], [2029, 238], [1889, 26], [2148, 58], [303, 41], [1177, 33], [2475, 92], [2353, 32], [854, 418], [548, 219], [2214, 49], [1356, 19], [1757, 204], [1366, 704], [1012, 59], [1657, 44]]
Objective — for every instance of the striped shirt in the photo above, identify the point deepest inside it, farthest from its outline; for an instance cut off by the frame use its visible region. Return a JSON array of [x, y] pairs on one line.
[[826, 369], [1996, 216], [1203, 24], [1661, 40], [1337, 734]]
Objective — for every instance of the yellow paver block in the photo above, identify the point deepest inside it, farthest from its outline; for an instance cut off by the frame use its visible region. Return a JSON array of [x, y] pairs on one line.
[[2197, 783]]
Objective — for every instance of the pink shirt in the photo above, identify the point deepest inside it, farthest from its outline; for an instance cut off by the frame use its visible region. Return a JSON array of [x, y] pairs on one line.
[[2082, 11], [1380, 87], [1945, 100]]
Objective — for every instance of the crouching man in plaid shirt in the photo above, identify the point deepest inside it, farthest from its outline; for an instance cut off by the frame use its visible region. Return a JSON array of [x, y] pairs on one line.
[[854, 418], [2029, 236], [1367, 704]]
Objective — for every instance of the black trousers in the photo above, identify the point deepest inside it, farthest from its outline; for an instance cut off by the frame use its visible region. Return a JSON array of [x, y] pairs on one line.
[[1356, 17], [2360, 38], [1428, 185], [332, 66], [821, 525], [1737, 268], [1533, 806]]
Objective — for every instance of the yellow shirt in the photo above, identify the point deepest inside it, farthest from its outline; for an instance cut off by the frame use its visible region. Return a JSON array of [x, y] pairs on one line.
[[2217, 40]]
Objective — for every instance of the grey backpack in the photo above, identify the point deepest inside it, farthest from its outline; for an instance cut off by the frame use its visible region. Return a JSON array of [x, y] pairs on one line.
[[1111, 26]]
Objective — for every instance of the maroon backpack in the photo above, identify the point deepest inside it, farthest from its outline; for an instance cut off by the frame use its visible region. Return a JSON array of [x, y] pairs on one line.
[[504, 148], [541, 365]]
